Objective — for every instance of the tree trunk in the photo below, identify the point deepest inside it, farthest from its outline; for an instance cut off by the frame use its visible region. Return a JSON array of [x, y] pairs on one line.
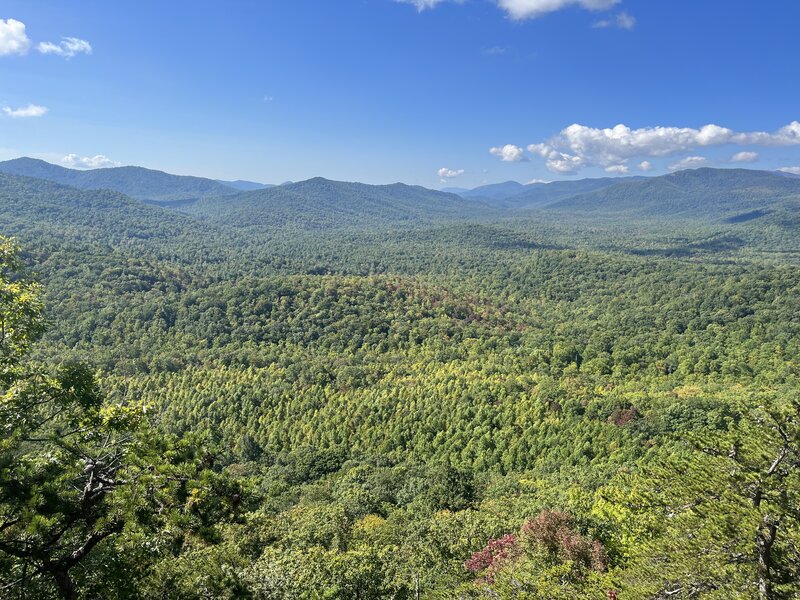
[[66, 587], [764, 541]]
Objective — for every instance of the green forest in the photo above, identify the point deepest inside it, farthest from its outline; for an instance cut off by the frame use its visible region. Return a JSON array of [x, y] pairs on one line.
[[340, 391]]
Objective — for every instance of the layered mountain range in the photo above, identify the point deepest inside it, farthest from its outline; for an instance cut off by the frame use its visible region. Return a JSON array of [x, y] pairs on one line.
[[701, 195]]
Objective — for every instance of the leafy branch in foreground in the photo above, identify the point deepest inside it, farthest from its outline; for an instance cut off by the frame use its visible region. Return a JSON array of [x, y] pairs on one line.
[[723, 514], [79, 474]]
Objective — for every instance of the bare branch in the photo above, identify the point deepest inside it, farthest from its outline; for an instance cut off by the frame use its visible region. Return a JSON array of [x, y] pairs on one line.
[[97, 537]]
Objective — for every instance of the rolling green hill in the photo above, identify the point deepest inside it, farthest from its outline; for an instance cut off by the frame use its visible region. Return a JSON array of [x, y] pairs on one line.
[[94, 226], [32, 207]]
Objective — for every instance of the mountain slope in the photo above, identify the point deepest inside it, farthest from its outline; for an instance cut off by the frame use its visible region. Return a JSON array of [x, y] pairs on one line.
[[43, 212], [512, 194], [136, 182], [319, 203], [543, 194], [713, 194]]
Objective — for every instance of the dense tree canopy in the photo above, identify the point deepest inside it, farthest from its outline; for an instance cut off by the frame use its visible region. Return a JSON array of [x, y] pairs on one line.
[[257, 404]]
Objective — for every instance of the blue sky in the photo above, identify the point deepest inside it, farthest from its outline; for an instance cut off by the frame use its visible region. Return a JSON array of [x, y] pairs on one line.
[[419, 91]]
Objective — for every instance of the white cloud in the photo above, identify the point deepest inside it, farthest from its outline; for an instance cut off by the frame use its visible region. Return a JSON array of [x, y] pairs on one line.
[[690, 162], [792, 170], [645, 166], [23, 112], [446, 173], [621, 21], [579, 146], [558, 162], [509, 153], [543, 181], [68, 47], [618, 169], [88, 162], [425, 4], [13, 39], [745, 157], [531, 9]]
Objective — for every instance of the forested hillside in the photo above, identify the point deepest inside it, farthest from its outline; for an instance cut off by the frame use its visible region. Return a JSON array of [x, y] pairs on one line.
[[322, 204], [145, 184], [538, 195], [700, 193], [334, 390]]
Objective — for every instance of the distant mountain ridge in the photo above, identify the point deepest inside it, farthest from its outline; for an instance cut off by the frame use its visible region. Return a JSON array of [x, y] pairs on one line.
[[495, 191], [710, 194], [544, 194], [512, 194], [245, 186], [136, 182], [319, 203], [731, 196], [31, 208]]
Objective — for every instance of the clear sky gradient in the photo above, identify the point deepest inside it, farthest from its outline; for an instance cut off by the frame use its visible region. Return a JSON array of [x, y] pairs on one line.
[[417, 91]]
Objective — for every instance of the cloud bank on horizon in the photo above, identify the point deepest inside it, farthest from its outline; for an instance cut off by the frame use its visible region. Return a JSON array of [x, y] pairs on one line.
[[578, 146]]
